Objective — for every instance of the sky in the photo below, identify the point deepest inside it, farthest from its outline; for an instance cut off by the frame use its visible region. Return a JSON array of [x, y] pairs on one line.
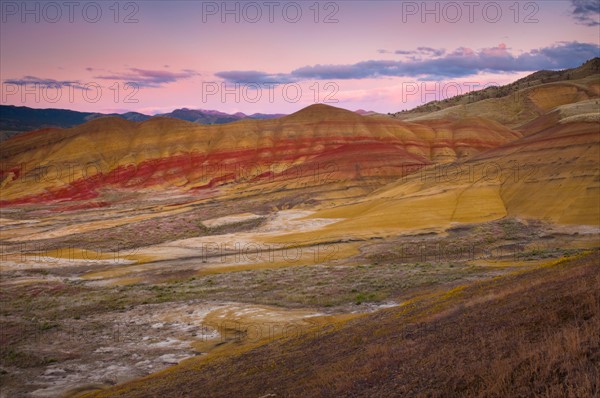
[[280, 56]]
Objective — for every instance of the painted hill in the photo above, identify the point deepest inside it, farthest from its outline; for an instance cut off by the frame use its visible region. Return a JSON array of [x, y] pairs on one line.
[[551, 175], [532, 153], [163, 152]]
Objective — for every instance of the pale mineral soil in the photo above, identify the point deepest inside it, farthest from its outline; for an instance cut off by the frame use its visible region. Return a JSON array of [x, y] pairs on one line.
[[91, 299]]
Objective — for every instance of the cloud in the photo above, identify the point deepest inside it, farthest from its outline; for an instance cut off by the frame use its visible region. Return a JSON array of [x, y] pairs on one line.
[[149, 78], [46, 83], [436, 52], [359, 70], [461, 62], [253, 76], [420, 52], [586, 12]]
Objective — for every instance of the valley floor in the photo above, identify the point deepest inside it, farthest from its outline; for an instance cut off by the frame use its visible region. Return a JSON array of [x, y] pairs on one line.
[[202, 287]]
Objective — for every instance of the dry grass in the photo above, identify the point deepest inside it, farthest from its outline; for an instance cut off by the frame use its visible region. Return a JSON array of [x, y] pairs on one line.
[[531, 334]]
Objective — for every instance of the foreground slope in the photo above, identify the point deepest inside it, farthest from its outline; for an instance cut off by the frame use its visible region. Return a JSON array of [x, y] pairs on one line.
[[529, 334]]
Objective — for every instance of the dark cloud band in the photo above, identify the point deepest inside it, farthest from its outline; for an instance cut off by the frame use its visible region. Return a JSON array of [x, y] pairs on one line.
[[461, 62], [586, 12], [149, 78]]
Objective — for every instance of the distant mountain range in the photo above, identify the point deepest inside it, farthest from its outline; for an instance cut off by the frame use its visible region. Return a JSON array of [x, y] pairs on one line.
[[203, 116], [17, 119]]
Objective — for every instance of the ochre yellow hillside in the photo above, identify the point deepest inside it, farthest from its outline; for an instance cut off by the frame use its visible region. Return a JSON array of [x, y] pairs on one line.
[[551, 175]]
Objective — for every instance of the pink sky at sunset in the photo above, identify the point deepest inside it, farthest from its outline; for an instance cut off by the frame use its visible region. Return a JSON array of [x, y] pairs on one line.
[[357, 55]]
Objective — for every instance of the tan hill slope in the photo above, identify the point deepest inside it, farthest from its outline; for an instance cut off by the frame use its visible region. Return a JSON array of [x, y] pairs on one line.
[[519, 107], [519, 102]]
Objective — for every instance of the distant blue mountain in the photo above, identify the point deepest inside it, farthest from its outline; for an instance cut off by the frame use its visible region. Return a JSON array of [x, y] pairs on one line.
[[18, 119]]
